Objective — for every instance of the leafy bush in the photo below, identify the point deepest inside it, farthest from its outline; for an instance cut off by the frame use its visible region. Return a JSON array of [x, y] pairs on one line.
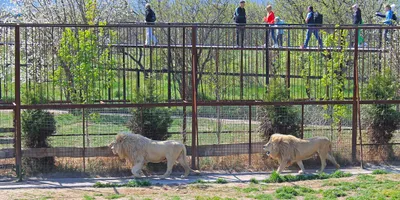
[[150, 122], [278, 119], [37, 126], [275, 177], [383, 119]]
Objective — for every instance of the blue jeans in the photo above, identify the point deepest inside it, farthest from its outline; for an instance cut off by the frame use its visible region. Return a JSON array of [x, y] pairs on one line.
[[272, 31], [150, 38], [308, 37]]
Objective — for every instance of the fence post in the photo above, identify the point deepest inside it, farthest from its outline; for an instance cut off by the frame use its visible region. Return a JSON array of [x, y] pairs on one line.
[[169, 62], [288, 72], [184, 84], [194, 96], [250, 150], [84, 138], [267, 56], [18, 151], [355, 99]]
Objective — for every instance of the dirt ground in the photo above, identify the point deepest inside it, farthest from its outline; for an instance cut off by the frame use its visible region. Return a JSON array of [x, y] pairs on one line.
[[213, 191]]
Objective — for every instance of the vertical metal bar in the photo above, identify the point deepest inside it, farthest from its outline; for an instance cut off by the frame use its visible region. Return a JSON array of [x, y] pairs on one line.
[[355, 100], [250, 150], [267, 56], [18, 151], [124, 74], [302, 121], [194, 96], [169, 62], [288, 72], [241, 74], [84, 138], [184, 84]]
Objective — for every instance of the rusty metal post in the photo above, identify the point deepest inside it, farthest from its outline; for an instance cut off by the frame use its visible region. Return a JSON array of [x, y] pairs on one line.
[[267, 56], [194, 96], [355, 100], [18, 138], [302, 121], [169, 62], [288, 72], [250, 150], [241, 74], [184, 84], [124, 75], [84, 138]]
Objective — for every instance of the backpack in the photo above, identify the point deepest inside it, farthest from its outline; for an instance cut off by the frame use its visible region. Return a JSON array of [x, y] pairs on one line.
[[318, 18], [394, 17], [153, 17]]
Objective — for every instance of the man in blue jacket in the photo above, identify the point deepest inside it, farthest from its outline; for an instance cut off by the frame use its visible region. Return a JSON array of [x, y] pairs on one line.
[[388, 19], [240, 20], [150, 19]]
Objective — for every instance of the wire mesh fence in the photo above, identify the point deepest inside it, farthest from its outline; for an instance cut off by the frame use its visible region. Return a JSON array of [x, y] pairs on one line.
[[194, 83]]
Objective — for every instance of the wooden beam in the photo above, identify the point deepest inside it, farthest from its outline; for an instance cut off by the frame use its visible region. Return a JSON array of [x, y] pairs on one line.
[[77, 152]]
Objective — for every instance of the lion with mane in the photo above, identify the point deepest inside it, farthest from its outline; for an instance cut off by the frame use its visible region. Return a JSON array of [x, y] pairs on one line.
[[288, 149], [140, 150]]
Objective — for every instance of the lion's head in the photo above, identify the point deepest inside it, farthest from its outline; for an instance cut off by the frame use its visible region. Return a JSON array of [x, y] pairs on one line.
[[117, 145], [128, 145], [281, 146]]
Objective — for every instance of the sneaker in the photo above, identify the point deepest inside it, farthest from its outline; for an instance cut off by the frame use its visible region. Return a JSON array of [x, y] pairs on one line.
[[275, 46], [302, 47]]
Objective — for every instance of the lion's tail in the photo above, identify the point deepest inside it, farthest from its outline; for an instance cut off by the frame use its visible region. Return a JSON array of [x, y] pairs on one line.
[[184, 152]]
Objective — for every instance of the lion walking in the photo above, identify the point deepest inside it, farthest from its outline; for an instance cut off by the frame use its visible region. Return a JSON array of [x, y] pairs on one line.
[[288, 149], [140, 150]]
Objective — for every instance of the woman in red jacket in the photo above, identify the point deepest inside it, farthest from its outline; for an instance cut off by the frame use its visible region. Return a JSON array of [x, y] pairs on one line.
[[270, 20]]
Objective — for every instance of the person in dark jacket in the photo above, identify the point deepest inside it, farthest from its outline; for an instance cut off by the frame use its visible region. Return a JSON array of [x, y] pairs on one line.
[[150, 19], [357, 20], [311, 30], [240, 20]]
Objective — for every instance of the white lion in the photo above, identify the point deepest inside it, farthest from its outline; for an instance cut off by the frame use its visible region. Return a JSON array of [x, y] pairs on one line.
[[288, 149], [140, 150]]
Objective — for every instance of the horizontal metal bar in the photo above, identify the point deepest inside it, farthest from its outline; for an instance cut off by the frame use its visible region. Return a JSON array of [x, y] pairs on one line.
[[388, 144]]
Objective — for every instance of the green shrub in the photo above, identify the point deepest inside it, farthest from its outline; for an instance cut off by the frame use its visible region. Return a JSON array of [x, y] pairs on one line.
[[37, 126], [150, 122], [253, 180], [278, 119], [383, 119]]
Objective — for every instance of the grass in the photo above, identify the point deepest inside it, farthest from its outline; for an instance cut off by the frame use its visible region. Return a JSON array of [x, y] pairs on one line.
[[131, 183], [250, 190], [254, 180], [380, 171], [87, 197], [221, 181], [275, 177], [289, 192], [115, 196], [333, 193], [213, 198]]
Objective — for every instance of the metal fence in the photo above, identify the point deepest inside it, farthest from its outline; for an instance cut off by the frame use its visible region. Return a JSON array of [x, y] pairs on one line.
[[91, 78]]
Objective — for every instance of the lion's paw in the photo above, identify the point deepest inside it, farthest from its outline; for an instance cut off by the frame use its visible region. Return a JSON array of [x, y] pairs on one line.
[[301, 172]]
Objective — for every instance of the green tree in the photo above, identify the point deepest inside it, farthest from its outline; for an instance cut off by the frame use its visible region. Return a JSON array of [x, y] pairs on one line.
[[278, 119], [383, 119], [85, 59]]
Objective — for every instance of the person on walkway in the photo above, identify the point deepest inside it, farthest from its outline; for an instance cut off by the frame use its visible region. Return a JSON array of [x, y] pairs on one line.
[[388, 19], [279, 32], [357, 20], [240, 20], [269, 19], [150, 19], [312, 29]]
